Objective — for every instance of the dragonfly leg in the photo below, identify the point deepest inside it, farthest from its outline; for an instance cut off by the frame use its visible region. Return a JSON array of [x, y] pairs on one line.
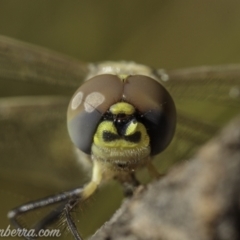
[[88, 190], [15, 213], [69, 200], [70, 222], [49, 218]]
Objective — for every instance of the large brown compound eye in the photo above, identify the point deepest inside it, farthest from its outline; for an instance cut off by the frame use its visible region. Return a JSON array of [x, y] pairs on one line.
[[87, 106], [156, 106]]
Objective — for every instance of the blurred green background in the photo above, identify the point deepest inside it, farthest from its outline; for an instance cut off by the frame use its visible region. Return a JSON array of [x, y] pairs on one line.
[[168, 34], [161, 34]]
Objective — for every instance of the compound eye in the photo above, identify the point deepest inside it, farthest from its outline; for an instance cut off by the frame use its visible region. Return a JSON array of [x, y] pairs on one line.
[[87, 106], [156, 106]]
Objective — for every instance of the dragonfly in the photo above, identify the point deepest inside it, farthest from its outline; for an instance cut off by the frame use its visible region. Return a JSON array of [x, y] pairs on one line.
[[35, 144]]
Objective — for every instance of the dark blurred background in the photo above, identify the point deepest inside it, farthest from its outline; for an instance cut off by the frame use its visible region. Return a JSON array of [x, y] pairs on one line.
[[162, 34]]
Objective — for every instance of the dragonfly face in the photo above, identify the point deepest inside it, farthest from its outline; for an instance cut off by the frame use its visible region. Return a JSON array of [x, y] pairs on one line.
[[35, 144]]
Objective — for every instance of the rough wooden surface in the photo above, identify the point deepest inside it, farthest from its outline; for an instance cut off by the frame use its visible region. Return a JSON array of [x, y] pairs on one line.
[[197, 200]]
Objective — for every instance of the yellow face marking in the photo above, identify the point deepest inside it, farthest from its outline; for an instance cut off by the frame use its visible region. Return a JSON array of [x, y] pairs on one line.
[[118, 142], [132, 128], [120, 139], [122, 108]]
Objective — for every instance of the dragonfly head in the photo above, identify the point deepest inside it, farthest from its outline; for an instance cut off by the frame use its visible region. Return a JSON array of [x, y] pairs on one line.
[[121, 118]]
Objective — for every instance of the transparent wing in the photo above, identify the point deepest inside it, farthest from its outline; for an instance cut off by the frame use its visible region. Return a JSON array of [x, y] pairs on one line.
[[34, 142], [219, 84], [206, 98], [24, 62]]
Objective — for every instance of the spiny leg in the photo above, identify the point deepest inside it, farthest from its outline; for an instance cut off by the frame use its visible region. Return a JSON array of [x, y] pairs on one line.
[[69, 199], [49, 218], [71, 225], [88, 190], [14, 214]]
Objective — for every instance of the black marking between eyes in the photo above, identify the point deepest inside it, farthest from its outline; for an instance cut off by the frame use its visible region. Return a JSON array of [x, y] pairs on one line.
[[109, 137]]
